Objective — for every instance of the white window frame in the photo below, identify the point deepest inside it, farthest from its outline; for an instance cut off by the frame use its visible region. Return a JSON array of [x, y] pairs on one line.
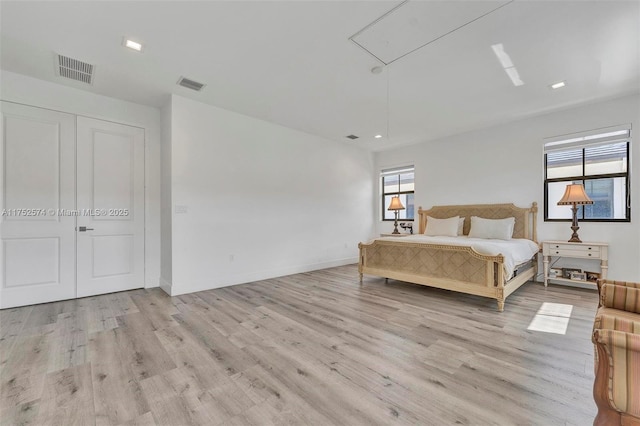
[[390, 172], [582, 140]]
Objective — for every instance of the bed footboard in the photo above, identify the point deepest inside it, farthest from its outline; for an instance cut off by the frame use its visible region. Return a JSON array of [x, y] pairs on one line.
[[456, 268]]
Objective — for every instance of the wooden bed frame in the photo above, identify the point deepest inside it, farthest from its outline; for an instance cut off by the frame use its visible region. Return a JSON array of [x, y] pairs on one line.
[[450, 267]]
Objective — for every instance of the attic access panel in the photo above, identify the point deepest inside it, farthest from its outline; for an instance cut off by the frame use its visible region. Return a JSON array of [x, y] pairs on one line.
[[414, 24]]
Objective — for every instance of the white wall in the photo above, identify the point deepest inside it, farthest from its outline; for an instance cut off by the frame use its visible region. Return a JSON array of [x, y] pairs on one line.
[[165, 200], [261, 200], [505, 164], [26, 90]]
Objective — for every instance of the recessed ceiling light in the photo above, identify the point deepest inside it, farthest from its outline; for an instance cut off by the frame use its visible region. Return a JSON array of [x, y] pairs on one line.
[[377, 136], [134, 45], [558, 85]]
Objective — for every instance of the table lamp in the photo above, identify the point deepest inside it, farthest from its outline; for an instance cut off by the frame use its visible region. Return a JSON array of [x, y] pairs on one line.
[[396, 206], [573, 196]]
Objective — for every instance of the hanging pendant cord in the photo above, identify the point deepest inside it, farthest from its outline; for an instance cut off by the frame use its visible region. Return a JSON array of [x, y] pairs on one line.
[[388, 112]]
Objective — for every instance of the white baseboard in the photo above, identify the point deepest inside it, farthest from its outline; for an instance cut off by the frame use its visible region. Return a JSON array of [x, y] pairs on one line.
[[165, 285], [256, 276], [152, 283]]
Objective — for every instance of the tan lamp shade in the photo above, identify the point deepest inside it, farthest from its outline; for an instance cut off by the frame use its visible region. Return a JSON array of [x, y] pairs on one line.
[[396, 204], [574, 194]]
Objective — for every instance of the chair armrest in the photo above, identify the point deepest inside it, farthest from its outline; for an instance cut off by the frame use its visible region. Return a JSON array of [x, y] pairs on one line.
[[621, 283], [614, 339], [617, 378], [600, 282], [620, 297], [613, 322]]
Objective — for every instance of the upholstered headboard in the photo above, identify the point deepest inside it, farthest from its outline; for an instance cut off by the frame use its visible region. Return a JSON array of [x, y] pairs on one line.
[[525, 225]]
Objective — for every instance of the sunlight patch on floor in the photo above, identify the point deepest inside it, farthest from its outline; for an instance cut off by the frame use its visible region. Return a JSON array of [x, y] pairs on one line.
[[551, 318]]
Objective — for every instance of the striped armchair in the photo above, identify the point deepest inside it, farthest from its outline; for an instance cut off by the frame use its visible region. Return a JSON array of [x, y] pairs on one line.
[[616, 336]]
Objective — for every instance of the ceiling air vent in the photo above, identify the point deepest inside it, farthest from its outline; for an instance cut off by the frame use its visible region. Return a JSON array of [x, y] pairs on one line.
[[75, 69], [190, 84], [352, 137]]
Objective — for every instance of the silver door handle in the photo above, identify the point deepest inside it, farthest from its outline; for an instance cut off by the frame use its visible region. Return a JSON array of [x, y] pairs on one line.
[[84, 229]]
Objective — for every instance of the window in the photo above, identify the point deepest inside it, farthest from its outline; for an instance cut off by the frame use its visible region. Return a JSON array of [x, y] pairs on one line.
[[600, 161], [398, 182]]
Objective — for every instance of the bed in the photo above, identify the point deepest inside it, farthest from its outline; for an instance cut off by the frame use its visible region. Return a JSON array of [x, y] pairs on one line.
[[458, 263]]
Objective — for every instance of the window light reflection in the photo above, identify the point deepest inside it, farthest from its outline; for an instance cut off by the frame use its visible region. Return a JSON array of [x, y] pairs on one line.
[[551, 318]]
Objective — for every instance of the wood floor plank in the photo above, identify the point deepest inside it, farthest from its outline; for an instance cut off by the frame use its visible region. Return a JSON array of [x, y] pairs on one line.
[[69, 342], [185, 351], [225, 353], [510, 380], [67, 398], [45, 313], [227, 400], [170, 406], [139, 346], [302, 311], [117, 394], [22, 414], [144, 420], [156, 307], [310, 381], [22, 377], [259, 415], [230, 310], [12, 322], [121, 303], [263, 386], [217, 319], [238, 296], [99, 313]]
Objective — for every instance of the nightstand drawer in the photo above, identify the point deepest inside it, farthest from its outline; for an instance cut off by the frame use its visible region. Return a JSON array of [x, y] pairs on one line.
[[576, 252], [572, 247]]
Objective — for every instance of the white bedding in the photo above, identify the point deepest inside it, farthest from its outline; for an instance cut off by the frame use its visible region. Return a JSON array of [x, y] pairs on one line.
[[515, 251]]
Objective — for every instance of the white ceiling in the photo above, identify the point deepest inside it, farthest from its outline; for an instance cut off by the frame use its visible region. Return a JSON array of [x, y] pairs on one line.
[[292, 63]]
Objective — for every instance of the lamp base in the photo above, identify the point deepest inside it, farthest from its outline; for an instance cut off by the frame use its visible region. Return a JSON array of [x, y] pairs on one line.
[[574, 237], [395, 224], [574, 225]]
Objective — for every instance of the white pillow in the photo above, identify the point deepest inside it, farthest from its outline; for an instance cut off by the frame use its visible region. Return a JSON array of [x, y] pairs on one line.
[[500, 229], [442, 227], [461, 226]]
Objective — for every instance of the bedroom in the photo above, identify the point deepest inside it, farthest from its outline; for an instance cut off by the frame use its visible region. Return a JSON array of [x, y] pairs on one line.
[[253, 179]]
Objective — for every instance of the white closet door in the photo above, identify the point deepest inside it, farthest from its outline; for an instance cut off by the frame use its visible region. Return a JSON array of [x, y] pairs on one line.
[[110, 195], [37, 254]]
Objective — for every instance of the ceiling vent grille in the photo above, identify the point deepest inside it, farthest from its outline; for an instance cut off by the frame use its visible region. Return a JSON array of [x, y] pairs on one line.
[[190, 84], [353, 137], [74, 69]]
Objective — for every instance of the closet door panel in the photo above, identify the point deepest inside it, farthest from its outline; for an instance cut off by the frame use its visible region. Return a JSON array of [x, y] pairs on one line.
[[37, 253]]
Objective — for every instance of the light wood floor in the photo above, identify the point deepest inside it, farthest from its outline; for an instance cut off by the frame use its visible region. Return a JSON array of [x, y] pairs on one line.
[[312, 348]]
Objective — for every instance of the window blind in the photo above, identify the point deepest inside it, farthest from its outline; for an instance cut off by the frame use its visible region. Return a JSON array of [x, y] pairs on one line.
[[397, 170], [604, 136], [595, 153]]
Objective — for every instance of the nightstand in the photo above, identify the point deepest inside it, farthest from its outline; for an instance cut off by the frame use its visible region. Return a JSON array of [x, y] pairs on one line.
[[591, 251], [395, 235]]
